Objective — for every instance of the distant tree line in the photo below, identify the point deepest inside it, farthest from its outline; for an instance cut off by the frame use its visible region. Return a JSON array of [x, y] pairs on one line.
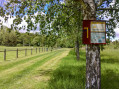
[[10, 37]]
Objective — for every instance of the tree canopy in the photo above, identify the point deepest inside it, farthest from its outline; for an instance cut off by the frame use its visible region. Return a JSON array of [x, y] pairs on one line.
[[56, 14]]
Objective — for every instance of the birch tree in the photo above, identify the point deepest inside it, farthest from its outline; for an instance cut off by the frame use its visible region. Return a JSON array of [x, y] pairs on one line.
[[93, 63]]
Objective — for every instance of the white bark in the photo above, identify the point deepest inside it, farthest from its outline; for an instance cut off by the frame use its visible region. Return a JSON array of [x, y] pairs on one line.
[[93, 70]]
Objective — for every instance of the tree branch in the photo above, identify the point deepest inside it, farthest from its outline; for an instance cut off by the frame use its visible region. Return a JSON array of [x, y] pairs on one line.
[[107, 9]]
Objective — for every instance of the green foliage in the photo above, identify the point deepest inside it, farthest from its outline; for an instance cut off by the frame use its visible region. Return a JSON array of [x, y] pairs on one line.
[[35, 40], [116, 44], [110, 14], [19, 45], [11, 37], [59, 19], [56, 19], [8, 37]]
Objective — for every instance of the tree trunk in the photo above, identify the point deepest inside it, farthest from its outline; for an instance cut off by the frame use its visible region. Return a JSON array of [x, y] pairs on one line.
[[77, 49], [93, 68]]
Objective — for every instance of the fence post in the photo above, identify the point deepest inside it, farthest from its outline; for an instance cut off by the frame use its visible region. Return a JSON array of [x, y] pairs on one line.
[[42, 49], [4, 54], [17, 53], [26, 52], [36, 50], [51, 49], [31, 51], [39, 50]]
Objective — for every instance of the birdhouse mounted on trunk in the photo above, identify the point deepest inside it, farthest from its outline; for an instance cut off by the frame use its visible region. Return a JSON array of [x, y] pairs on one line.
[[94, 32]]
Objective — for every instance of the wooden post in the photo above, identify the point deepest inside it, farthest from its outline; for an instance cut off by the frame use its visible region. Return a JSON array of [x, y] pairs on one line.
[[31, 51], [39, 50], [4, 54], [36, 50], [26, 52], [17, 53], [42, 49]]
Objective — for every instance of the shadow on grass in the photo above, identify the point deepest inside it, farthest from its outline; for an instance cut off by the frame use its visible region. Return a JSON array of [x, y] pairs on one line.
[[45, 72], [110, 80], [68, 77], [83, 55], [70, 74]]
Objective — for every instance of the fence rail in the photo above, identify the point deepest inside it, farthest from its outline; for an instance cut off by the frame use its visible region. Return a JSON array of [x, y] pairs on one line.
[[26, 49]]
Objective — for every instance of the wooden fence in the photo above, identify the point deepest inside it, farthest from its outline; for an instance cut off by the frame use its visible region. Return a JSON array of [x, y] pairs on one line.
[[26, 49]]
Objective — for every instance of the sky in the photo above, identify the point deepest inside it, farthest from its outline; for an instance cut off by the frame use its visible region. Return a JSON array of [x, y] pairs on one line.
[[10, 21]]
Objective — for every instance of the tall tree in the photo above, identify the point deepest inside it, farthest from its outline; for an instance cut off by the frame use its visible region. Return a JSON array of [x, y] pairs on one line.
[[93, 63], [66, 21], [12, 38]]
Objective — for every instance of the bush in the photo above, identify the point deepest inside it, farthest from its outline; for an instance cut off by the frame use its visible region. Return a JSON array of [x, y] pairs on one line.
[[19, 45]]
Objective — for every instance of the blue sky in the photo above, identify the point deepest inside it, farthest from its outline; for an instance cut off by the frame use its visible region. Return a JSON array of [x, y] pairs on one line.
[[10, 20]]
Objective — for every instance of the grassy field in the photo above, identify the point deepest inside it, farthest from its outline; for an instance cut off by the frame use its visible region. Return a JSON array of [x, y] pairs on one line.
[[71, 73], [30, 72], [58, 70]]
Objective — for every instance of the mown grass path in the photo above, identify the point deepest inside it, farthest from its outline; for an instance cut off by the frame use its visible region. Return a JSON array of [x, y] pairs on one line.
[[30, 72]]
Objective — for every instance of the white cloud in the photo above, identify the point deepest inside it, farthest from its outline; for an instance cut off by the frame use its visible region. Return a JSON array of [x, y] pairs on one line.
[[116, 30], [113, 2], [117, 33], [8, 22]]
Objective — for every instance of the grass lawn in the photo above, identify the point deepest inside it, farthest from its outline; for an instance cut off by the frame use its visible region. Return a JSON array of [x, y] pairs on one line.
[[110, 69], [58, 69], [31, 72], [71, 73]]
